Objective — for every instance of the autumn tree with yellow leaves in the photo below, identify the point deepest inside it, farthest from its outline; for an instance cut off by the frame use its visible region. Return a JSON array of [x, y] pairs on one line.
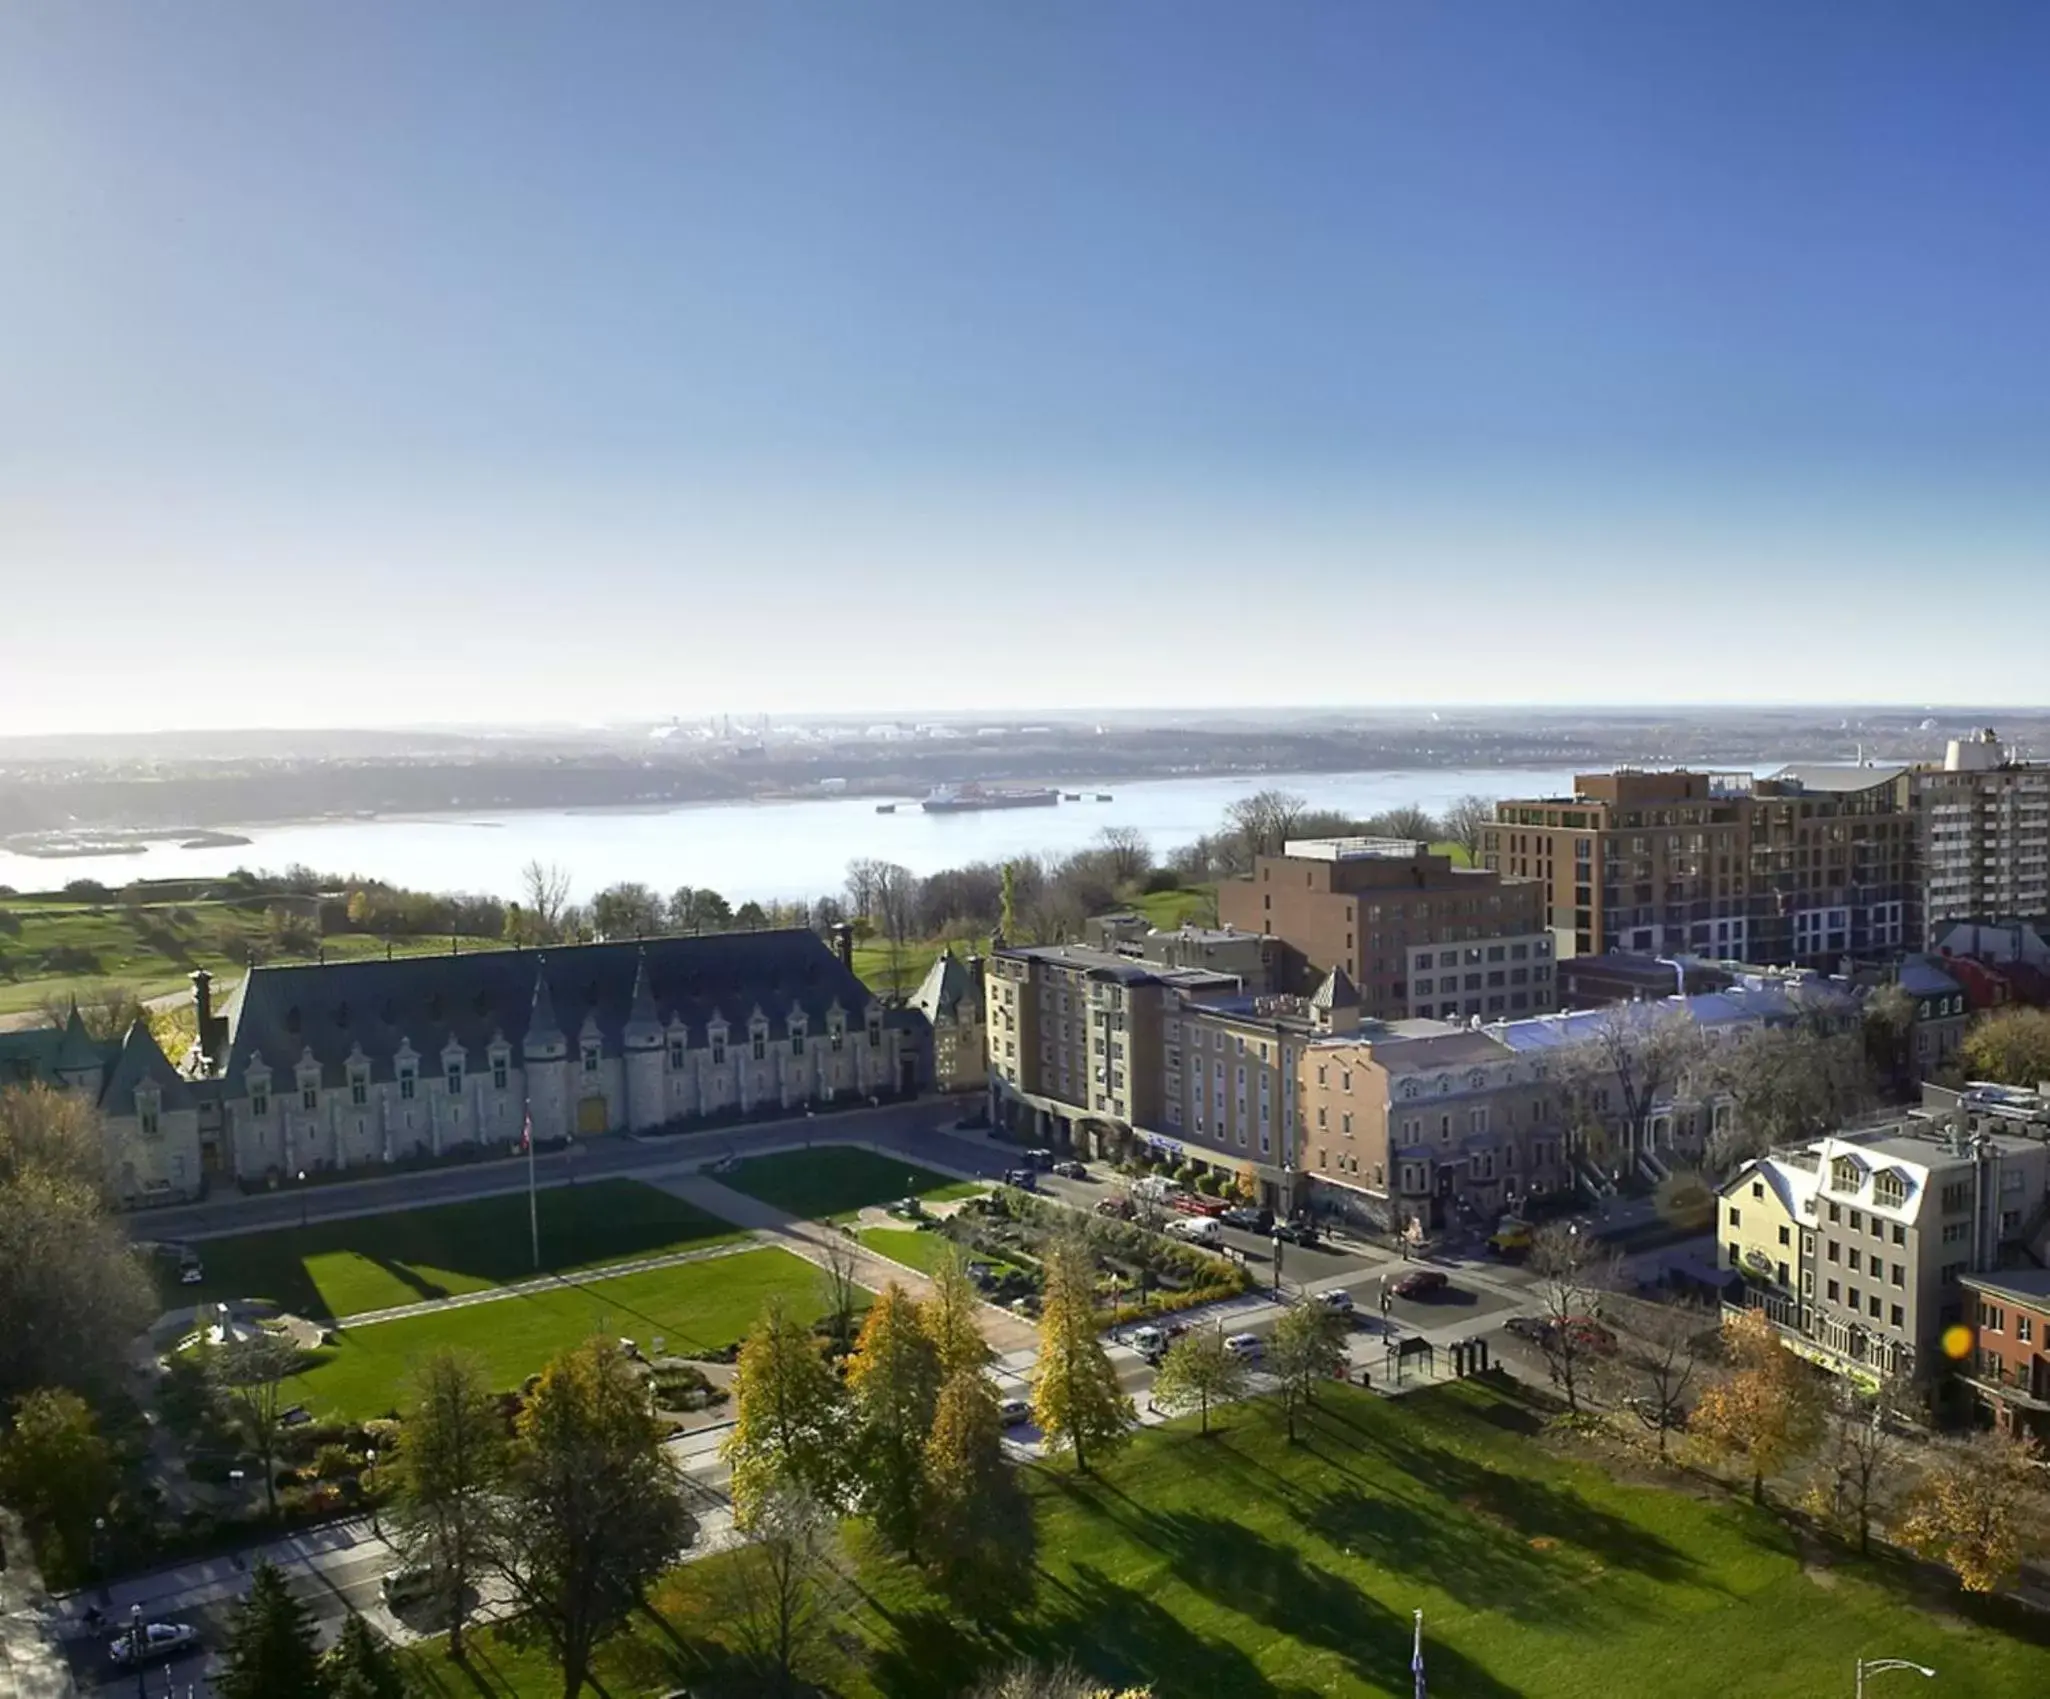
[[1767, 1410], [1978, 1510]]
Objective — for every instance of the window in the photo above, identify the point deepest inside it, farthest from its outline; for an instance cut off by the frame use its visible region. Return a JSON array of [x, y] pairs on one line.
[[1758, 1189], [1900, 1275], [2025, 1329], [1857, 1221], [719, 1050], [359, 1090], [148, 1119], [1852, 1259], [1786, 1236], [1855, 1301], [1736, 1253], [1900, 1317], [1834, 1213], [875, 1032], [259, 1101], [500, 1073], [455, 1079], [406, 1084], [1992, 1318], [758, 1046], [309, 1097], [1736, 1216], [1835, 1292], [797, 1041], [1835, 1251], [676, 1053], [1889, 1189], [1900, 1233], [834, 1039], [1872, 1306]]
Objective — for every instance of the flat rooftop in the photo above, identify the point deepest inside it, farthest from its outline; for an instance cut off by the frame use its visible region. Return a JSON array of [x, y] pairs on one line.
[[1354, 849]]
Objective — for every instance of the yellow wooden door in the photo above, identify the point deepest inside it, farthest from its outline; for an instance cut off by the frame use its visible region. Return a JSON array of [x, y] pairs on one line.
[[591, 1116]]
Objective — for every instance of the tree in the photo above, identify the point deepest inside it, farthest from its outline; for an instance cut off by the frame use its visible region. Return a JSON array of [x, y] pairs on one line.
[[1126, 853], [59, 1473], [1979, 1510], [1076, 1399], [449, 1469], [893, 1382], [750, 917], [361, 1665], [2011, 1046], [627, 910], [1659, 1359], [895, 895], [593, 1510], [1571, 1275], [1766, 1410], [55, 1134], [790, 1416], [1308, 1347], [779, 1592], [544, 893], [1784, 1084], [1858, 1464], [978, 1525], [271, 1646], [107, 1008], [840, 1276], [251, 1373], [1465, 822], [1888, 1019], [951, 1318], [1198, 1372], [1260, 824], [1038, 1681], [1634, 1058], [1007, 914]]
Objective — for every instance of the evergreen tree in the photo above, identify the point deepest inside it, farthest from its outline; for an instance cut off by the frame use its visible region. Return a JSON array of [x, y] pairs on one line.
[[1076, 1399], [361, 1665], [893, 1379], [790, 1416], [450, 1464], [1198, 1372], [272, 1653], [978, 1526]]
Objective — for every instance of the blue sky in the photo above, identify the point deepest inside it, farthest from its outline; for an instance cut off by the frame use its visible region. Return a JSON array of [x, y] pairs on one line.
[[389, 362]]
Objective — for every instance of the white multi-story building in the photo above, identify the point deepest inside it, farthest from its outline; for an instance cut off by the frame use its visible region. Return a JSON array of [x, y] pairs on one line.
[[1985, 837]]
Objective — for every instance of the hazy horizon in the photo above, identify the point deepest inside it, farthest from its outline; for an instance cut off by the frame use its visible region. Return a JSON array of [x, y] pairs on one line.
[[470, 366]]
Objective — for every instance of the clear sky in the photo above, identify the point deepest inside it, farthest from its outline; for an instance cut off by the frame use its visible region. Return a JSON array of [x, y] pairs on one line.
[[391, 362]]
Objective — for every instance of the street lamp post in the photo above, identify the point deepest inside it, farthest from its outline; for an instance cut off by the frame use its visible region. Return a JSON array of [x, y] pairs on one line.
[[137, 1642], [1277, 1268], [1879, 1666], [370, 1487]]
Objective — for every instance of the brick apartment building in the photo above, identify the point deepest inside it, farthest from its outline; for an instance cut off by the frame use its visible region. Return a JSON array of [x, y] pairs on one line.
[[1419, 937], [1805, 867], [2008, 1370]]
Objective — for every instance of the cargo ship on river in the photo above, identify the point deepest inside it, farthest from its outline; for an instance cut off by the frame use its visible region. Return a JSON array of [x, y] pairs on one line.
[[966, 799]]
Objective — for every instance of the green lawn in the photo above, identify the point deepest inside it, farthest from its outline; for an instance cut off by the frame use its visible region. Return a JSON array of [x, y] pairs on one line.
[[698, 1306], [834, 1181], [921, 1251], [1191, 905], [375, 1262], [1242, 1566]]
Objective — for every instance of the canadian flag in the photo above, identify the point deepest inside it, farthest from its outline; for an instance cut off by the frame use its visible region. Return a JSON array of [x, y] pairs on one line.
[[527, 1132]]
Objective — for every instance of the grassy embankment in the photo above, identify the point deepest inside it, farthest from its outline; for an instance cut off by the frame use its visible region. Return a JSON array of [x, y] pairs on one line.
[[1244, 1565]]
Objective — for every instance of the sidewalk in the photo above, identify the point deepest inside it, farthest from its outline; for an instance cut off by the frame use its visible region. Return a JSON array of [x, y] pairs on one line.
[[32, 1663]]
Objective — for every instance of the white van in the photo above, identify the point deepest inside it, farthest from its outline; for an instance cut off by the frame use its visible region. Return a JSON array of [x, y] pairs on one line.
[[1197, 1230]]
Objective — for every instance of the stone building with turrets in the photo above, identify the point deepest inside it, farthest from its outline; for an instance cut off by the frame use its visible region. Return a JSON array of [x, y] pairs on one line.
[[315, 1068]]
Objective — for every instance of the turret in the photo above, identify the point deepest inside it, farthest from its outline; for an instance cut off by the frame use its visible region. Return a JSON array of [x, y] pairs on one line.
[[643, 1042], [544, 1059]]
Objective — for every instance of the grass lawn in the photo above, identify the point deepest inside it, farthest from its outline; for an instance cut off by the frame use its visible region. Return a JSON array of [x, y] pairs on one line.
[[1242, 1566], [375, 1262], [921, 1251], [1191, 905], [872, 965], [698, 1306], [834, 1181]]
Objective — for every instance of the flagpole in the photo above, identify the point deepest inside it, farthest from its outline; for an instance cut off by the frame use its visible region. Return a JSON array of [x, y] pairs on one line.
[[533, 1199], [1416, 1658]]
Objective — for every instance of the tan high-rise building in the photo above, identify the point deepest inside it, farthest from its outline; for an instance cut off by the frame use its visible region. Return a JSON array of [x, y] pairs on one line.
[[1418, 936], [1807, 866]]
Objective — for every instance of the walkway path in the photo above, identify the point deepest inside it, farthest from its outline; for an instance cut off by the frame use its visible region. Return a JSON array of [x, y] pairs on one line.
[[816, 1242]]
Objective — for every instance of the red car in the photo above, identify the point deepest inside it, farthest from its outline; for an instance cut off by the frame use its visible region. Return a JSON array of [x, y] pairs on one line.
[[1420, 1283]]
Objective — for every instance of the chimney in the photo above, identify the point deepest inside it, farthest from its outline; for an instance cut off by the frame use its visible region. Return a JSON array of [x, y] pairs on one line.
[[843, 944], [203, 1008]]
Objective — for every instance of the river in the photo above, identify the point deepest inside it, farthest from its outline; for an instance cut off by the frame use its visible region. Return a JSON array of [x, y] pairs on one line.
[[763, 850]]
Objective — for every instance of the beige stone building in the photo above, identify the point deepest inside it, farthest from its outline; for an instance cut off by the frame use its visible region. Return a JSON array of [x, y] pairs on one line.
[[951, 998]]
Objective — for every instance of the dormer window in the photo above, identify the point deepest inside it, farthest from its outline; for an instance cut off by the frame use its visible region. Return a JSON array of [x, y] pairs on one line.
[[836, 1036], [501, 1070], [1890, 1188], [455, 1078], [359, 1085], [875, 1032], [759, 1044], [591, 1055], [677, 1054], [259, 1099], [309, 1095], [408, 1080], [719, 1048], [1845, 1175], [797, 1038], [147, 1104]]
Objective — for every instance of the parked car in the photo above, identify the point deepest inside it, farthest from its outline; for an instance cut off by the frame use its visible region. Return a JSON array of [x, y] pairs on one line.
[[1121, 1207], [408, 1586], [1197, 1230], [1649, 1412], [1149, 1342], [1039, 1158], [1420, 1283], [1023, 1178], [1251, 1220], [1296, 1233], [1015, 1412], [1070, 1169], [159, 1640], [910, 1209], [1589, 1335], [1340, 1301], [1535, 1329], [1247, 1347], [1511, 1238], [191, 1273]]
